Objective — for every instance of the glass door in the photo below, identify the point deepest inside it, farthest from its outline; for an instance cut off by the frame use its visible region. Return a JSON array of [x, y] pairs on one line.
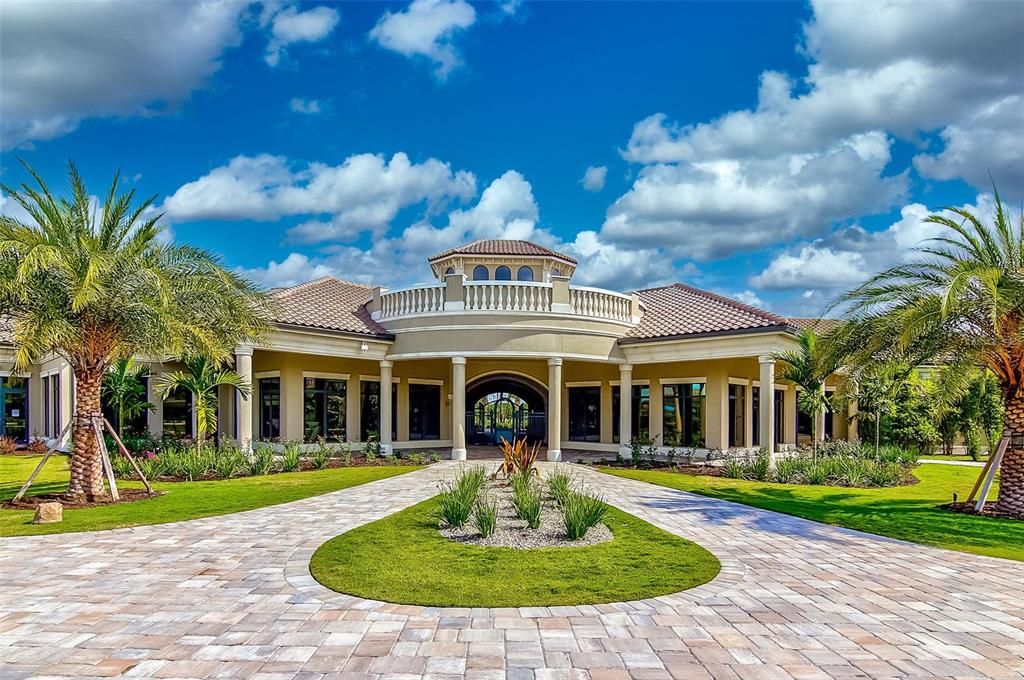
[[14, 414]]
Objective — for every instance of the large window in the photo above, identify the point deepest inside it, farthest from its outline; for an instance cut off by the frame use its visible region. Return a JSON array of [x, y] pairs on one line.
[[480, 273], [780, 416], [178, 413], [502, 273], [14, 408], [270, 407], [829, 432], [682, 413], [525, 274], [323, 409], [640, 413], [737, 415], [424, 412], [369, 410], [585, 414]]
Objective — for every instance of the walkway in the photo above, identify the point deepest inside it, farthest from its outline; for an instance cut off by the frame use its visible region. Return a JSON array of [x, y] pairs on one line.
[[231, 597]]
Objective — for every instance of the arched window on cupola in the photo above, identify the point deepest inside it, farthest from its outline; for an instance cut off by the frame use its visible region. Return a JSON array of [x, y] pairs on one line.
[[502, 273], [480, 273]]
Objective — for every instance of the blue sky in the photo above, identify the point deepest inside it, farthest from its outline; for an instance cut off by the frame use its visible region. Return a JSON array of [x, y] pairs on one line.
[[777, 152]]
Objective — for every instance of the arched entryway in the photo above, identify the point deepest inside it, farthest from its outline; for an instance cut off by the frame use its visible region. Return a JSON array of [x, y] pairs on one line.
[[503, 405]]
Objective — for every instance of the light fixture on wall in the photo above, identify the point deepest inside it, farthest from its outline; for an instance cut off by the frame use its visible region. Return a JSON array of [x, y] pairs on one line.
[[365, 347]]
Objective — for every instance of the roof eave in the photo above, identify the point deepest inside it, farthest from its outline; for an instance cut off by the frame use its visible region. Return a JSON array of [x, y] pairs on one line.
[[335, 331], [783, 328]]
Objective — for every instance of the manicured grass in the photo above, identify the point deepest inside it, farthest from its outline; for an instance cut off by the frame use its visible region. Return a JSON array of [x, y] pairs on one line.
[[402, 558], [958, 456], [911, 513], [182, 500]]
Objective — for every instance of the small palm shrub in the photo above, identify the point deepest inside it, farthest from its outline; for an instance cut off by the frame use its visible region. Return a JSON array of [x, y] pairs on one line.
[[261, 462], [734, 468], [485, 514], [229, 462], [581, 512], [320, 456], [7, 445], [471, 481], [528, 502], [122, 466], [291, 459], [38, 447], [416, 458], [193, 464], [760, 468], [816, 472], [886, 474], [519, 481], [559, 486], [346, 454], [852, 471]]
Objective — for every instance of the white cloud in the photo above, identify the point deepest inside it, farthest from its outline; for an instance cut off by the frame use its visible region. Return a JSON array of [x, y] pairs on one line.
[[426, 28], [66, 61], [290, 26], [715, 208], [847, 257], [747, 297], [593, 178], [363, 193], [294, 269], [307, 106]]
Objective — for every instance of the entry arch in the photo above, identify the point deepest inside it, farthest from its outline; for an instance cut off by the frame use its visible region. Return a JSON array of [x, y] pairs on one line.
[[507, 404]]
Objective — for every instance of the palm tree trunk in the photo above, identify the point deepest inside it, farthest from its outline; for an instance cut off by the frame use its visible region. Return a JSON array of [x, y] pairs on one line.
[[86, 471], [1011, 475]]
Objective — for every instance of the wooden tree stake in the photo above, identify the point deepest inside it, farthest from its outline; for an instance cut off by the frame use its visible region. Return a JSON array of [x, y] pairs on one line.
[[994, 461], [126, 454], [46, 457], [97, 426]]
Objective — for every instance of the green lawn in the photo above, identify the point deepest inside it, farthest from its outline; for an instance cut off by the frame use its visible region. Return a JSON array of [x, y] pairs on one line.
[[182, 500], [958, 456], [911, 513], [402, 558]]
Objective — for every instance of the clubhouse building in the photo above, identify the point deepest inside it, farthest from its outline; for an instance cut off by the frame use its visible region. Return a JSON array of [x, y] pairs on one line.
[[500, 343]]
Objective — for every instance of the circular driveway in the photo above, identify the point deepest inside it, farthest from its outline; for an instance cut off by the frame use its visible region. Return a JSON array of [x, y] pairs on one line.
[[231, 597]]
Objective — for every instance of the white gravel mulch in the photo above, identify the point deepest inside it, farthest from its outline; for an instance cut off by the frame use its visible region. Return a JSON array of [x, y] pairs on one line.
[[512, 532]]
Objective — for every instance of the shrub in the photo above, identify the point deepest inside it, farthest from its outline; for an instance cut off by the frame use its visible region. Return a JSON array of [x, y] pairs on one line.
[[760, 468], [852, 471], [457, 499], [435, 457], [528, 503], [886, 474], [346, 454], [471, 481], [559, 486], [642, 451], [816, 472], [485, 514], [261, 462], [193, 464], [320, 456], [790, 470], [229, 462], [416, 458], [291, 459], [519, 481], [580, 513], [38, 447], [7, 445], [734, 469], [372, 448], [121, 465]]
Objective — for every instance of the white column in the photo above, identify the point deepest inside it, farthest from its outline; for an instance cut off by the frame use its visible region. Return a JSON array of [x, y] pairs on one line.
[[243, 406], [819, 426], [625, 409], [554, 409], [385, 405], [852, 421], [458, 408], [767, 404]]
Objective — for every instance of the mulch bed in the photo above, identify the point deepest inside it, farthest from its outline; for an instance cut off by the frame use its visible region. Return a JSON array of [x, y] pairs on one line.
[[989, 511], [77, 503]]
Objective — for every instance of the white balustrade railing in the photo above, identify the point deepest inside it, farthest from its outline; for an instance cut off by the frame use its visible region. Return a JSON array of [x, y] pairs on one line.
[[415, 300], [508, 296], [604, 304]]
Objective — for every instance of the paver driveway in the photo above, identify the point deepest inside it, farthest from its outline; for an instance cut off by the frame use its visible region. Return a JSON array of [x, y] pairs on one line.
[[232, 597]]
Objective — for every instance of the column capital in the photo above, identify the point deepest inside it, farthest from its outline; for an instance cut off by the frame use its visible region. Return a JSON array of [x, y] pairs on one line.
[[459, 361], [625, 368], [243, 350], [766, 359], [387, 363], [555, 361]]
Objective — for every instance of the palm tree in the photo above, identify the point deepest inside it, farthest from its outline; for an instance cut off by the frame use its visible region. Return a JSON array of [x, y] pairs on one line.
[[959, 302], [808, 366], [123, 388], [202, 377], [95, 284]]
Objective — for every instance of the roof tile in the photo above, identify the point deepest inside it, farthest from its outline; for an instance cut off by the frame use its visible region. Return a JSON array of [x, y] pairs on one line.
[[328, 303], [680, 310], [502, 247]]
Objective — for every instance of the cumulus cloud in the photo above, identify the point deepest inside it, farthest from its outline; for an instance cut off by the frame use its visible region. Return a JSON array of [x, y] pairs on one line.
[[593, 178], [363, 193], [747, 297], [63, 62], [848, 256], [306, 106], [710, 209], [426, 28], [290, 26]]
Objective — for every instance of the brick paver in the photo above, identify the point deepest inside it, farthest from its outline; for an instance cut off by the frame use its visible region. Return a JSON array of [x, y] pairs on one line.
[[231, 597]]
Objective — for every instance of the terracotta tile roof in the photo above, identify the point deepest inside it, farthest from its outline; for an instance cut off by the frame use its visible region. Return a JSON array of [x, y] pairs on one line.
[[680, 310], [820, 326], [502, 247], [328, 303]]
